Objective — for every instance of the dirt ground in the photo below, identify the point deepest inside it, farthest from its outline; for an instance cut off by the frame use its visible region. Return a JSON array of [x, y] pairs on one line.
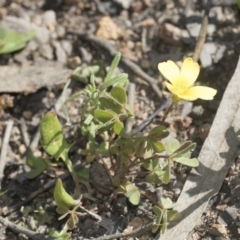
[[146, 32]]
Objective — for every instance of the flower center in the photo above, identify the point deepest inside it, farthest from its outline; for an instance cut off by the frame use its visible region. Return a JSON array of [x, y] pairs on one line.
[[181, 86]]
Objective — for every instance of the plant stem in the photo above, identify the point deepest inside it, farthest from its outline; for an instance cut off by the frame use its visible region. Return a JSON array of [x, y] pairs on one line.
[[166, 113], [69, 165]]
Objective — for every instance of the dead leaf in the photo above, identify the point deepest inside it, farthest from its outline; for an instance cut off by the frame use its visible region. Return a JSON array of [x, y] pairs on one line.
[[218, 230]]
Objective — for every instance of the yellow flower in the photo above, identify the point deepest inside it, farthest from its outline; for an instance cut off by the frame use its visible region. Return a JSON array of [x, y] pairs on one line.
[[181, 81]]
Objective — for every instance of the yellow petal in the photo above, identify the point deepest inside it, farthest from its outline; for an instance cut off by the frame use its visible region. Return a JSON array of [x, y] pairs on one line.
[[169, 70], [172, 89], [189, 71], [205, 93]]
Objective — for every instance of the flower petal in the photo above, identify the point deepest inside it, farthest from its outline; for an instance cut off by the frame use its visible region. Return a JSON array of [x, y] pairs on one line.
[[169, 70], [189, 71], [172, 89], [205, 93]]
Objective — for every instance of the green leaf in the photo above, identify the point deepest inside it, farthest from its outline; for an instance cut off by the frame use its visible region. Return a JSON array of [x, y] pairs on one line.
[[61, 197], [173, 215], [133, 194], [158, 212], [121, 78], [151, 164], [103, 115], [13, 41], [119, 94], [166, 176], [83, 73], [2, 193], [156, 145], [84, 178], [140, 147], [63, 235], [185, 148], [52, 139], [191, 162], [37, 164], [110, 104], [155, 176], [166, 202], [112, 67], [159, 132], [164, 225], [171, 145], [238, 3], [118, 128]]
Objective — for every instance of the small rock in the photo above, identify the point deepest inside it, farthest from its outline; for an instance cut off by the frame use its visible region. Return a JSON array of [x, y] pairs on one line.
[[126, 4], [67, 46], [219, 53], [210, 47], [205, 57], [22, 149], [46, 51], [211, 29], [60, 53], [60, 30], [74, 62], [170, 34], [27, 114], [186, 38], [49, 19], [194, 29], [218, 230], [108, 29], [86, 55]]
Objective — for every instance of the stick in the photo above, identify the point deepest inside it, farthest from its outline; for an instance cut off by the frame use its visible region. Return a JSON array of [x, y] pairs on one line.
[[19, 229], [4, 148]]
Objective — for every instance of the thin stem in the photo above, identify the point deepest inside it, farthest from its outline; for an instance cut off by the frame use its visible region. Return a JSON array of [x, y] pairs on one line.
[[69, 165], [166, 113]]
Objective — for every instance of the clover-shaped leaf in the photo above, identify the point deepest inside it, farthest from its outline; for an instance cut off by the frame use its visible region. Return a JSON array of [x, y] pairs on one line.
[[158, 132], [171, 145], [118, 128], [133, 194], [166, 176], [108, 103], [172, 215], [104, 115], [151, 164], [184, 149], [13, 41], [72, 221], [37, 165], [158, 212], [52, 138], [84, 178], [191, 162], [166, 202], [119, 94]]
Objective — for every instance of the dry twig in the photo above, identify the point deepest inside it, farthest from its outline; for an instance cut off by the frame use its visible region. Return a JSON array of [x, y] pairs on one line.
[[4, 148], [19, 229]]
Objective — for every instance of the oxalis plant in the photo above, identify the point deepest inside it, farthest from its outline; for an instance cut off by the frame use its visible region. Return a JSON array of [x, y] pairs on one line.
[[103, 115]]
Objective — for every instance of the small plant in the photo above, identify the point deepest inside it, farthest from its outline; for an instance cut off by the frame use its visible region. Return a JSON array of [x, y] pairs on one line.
[[103, 115], [13, 41]]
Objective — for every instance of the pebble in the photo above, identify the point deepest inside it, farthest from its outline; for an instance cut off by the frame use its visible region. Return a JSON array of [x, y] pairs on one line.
[[49, 18], [219, 53], [60, 53], [27, 114], [126, 4], [205, 57], [194, 29], [46, 51], [67, 46]]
